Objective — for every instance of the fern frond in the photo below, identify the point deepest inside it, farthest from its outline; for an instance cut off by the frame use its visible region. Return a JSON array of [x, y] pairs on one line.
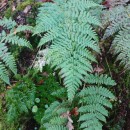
[[3, 73], [58, 120], [70, 30], [17, 40], [94, 100], [119, 23], [22, 28], [8, 61], [51, 35], [84, 4], [99, 79], [53, 116], [93, 90], [117, 17], [8, 23], [121, 47]]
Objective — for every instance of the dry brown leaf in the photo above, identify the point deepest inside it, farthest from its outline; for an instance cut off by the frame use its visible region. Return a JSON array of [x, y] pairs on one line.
[[74, 111], [98, 69]]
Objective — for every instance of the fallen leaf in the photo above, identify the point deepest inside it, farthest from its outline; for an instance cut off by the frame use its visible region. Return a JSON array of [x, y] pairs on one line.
[[74, 112], [98, 69], [40, 82]]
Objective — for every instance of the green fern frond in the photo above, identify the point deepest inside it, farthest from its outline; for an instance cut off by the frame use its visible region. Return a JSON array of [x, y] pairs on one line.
[[70, 30], [17, 40], [93, 90], [94, 100], [53, 116], [84, 4], [58, 120], [8, 61], [117, 17], [22, 28], [99, 79], [119, 23], [8, 23], [3, 73], [121, 47]]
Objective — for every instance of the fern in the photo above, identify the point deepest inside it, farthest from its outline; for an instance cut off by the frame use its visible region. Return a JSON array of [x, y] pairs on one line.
[[70, 29], [53, 117], [7, 59], [22, 28], [119, 23], [95, 100], [99, 79], [118, 18], [20, 99], [121, 47], [92, 102], [8, 23]]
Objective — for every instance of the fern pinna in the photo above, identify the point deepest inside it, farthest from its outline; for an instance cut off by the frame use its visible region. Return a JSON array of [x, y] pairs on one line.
[[7, 59], [94, 100], [68, 25], [92, 103], [119, 20]]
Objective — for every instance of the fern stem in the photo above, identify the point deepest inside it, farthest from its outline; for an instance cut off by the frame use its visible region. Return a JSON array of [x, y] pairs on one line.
[[108, 66]]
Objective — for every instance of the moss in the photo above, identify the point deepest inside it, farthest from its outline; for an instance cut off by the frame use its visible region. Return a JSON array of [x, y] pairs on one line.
[[8, 13], [23, 5]]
